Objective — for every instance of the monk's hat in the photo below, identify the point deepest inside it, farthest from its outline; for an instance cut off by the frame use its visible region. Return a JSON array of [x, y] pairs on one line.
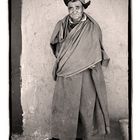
[[85, 3]]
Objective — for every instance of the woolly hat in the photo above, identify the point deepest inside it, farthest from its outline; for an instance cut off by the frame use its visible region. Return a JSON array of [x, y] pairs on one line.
[[85, 3]]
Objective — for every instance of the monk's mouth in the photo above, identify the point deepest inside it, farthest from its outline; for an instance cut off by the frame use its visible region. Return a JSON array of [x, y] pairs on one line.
[[76, 16]]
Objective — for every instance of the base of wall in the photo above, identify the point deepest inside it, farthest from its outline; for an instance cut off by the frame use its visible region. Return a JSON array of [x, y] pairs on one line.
[[114, 135]]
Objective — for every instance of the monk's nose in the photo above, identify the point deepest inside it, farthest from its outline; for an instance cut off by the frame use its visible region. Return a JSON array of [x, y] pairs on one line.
[[74, 11]]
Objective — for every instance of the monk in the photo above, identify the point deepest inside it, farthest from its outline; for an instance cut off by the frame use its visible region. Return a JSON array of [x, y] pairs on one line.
[[80, 92]]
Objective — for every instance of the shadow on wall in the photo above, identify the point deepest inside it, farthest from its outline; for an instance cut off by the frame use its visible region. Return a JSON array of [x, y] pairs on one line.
[[15, 73]]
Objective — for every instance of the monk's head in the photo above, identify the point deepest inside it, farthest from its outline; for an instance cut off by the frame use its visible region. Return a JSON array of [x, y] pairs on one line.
[[75, 9]]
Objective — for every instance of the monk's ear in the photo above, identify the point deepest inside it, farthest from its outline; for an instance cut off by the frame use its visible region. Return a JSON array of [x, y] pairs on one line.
[[83, 7]]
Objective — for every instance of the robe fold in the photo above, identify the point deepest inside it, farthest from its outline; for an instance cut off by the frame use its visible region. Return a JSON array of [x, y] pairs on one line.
[[78, 74], [79, 49]]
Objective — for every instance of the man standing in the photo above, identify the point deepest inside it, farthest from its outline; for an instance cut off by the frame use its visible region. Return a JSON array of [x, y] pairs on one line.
[[80, 92]]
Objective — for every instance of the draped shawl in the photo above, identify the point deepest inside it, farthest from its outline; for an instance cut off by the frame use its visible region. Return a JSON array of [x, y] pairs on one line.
[[79, 49]]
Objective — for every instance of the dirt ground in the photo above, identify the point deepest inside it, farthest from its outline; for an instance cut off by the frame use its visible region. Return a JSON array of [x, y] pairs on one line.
[[115, 135]]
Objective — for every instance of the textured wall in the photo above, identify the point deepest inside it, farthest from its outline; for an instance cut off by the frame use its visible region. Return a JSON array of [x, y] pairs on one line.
[[38, 21]]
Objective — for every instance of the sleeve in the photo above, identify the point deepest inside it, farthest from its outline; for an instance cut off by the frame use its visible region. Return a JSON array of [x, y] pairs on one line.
[[105, 58], [54, 42]]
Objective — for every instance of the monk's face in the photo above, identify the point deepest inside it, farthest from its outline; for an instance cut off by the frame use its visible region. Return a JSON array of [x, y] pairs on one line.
[[75, 10]]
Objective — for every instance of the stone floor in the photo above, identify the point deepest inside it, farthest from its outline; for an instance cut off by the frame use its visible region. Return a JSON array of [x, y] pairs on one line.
[[115, 135]]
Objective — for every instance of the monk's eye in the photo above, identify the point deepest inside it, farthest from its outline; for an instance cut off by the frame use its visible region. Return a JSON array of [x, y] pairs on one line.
[[70, 8], [77, 7]]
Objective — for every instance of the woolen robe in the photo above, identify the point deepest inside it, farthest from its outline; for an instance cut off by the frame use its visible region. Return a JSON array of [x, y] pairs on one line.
[[79, 54]]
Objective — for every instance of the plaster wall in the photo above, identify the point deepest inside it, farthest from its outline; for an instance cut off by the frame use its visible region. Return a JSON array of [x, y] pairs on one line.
[[38, 21]]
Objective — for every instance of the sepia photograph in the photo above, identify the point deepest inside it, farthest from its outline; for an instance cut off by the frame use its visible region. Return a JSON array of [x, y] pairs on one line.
[[70, 69]]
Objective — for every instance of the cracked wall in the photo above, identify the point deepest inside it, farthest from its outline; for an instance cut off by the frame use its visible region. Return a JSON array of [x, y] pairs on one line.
[[38, 21]]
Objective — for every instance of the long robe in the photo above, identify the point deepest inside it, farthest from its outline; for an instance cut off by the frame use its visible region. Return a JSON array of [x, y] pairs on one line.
[[78, 51]]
